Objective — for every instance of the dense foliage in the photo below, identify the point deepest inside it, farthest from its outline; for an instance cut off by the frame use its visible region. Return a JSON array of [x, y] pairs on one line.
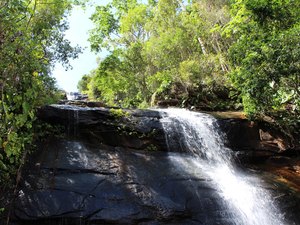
[[158, 49], [203, 53], [31, 40], [266, 57]]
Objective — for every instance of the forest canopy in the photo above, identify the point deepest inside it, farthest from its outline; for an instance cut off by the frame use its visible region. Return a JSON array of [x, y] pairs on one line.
[[205, 54], [157, 50]]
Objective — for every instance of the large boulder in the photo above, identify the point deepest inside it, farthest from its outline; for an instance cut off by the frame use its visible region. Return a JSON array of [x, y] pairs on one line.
[[143, 130], [131, 129]]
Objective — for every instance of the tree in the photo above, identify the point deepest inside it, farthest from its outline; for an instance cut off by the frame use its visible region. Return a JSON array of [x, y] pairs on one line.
[[31, 40], [83, 84], [266, 54], [161, 45], [265, 58]]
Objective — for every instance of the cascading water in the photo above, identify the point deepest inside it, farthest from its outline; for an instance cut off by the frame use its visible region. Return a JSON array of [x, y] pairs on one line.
[[250, 204], [72, 118]]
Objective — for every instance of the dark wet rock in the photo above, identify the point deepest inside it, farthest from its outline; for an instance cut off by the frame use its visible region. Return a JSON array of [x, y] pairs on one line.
[[132, 129], [90, 177], [73, 182], [255, 142], [70, 179], [242, 134], [83, 103], [142, 129], [168, 103]]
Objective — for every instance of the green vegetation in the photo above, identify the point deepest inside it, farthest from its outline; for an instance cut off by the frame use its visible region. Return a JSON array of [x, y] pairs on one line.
[[266, 58], [158, 50], [119, 113], [209, 54], [31, 40], [151, 148]]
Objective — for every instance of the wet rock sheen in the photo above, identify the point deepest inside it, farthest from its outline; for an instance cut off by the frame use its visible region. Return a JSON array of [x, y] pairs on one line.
[[118, 170]]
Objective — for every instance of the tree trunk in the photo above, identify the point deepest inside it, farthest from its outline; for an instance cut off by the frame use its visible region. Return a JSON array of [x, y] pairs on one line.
[[202, 46]]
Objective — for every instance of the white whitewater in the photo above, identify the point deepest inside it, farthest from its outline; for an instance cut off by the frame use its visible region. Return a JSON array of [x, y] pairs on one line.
[[249, 202]]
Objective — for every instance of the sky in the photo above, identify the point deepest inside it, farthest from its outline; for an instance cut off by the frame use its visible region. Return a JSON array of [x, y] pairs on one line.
[[79, 23]]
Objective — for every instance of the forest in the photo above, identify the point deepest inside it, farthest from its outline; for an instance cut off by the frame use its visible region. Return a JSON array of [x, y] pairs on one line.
[[200, 54]]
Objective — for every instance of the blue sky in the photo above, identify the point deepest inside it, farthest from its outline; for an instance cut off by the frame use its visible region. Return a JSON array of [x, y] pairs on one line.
[[78, 34]]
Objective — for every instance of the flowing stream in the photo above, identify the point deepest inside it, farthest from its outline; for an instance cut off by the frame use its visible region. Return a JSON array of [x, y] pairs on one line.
[[243, 194]]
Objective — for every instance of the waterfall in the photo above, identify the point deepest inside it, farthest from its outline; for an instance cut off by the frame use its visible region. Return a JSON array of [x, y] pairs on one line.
[[76, 120], [72, 118], [249, 202]]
